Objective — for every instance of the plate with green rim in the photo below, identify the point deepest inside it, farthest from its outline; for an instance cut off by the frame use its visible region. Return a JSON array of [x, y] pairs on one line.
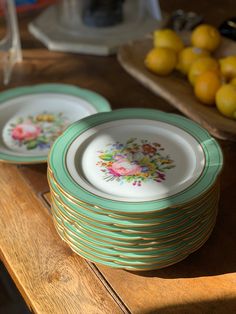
[[32, 117], [201, 230], [132, 242], [125, 260], [127, 228], [81, 211], [140, 248], [122, 147], [92, 258], [120, 235]]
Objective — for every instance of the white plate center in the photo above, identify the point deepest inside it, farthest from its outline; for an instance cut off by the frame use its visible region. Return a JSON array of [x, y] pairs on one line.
[[31, 123], [135, 160]]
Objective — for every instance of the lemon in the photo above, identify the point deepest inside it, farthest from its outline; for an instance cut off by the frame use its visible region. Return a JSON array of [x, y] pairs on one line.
[[226, 100], [202, 65], [167, 38], [233, 81], [228, 67], [161, 60], [206, 87], [187, 56], [206, 37]]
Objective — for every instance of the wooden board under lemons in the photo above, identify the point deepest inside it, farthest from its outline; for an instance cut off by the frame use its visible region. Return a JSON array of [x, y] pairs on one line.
[[176, 89]]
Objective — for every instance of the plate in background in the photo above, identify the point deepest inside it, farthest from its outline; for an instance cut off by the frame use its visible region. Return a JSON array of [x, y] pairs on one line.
[[32, 117]]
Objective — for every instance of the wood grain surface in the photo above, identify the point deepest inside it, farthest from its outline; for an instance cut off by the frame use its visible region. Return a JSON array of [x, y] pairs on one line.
[[50, 276], [176, 89]]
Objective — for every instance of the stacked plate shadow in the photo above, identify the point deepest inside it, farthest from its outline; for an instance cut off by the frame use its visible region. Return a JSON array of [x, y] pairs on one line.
[[136, 189]]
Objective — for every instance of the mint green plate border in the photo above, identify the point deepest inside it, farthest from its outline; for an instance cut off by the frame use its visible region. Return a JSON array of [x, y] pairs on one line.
[[116, 225], [96, 100], [202, 229], [212, 151]]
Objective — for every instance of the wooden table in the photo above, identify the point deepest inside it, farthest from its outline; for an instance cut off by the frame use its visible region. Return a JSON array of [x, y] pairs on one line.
[[53, 279]]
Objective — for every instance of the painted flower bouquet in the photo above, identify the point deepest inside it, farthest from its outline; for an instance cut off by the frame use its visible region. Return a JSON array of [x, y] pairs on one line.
[[38, 131], [134, 162]]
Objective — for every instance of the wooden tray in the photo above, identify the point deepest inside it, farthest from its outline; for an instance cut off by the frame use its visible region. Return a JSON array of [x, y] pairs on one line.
[[176, 89]]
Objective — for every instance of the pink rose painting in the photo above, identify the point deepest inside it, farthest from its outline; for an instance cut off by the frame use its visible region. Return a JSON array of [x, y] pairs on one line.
[[124, 167], [25, 131], [134, 162], [37, 131]]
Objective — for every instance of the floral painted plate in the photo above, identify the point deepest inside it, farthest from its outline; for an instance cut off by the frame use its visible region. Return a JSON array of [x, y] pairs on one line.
[[135, 160], [32, 117], [123, 159]]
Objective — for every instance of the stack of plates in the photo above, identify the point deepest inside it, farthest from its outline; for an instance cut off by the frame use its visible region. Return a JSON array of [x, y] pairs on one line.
[[136, 189]]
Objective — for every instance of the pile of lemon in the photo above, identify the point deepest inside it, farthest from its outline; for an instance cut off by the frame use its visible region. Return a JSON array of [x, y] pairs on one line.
[[213, 80]]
